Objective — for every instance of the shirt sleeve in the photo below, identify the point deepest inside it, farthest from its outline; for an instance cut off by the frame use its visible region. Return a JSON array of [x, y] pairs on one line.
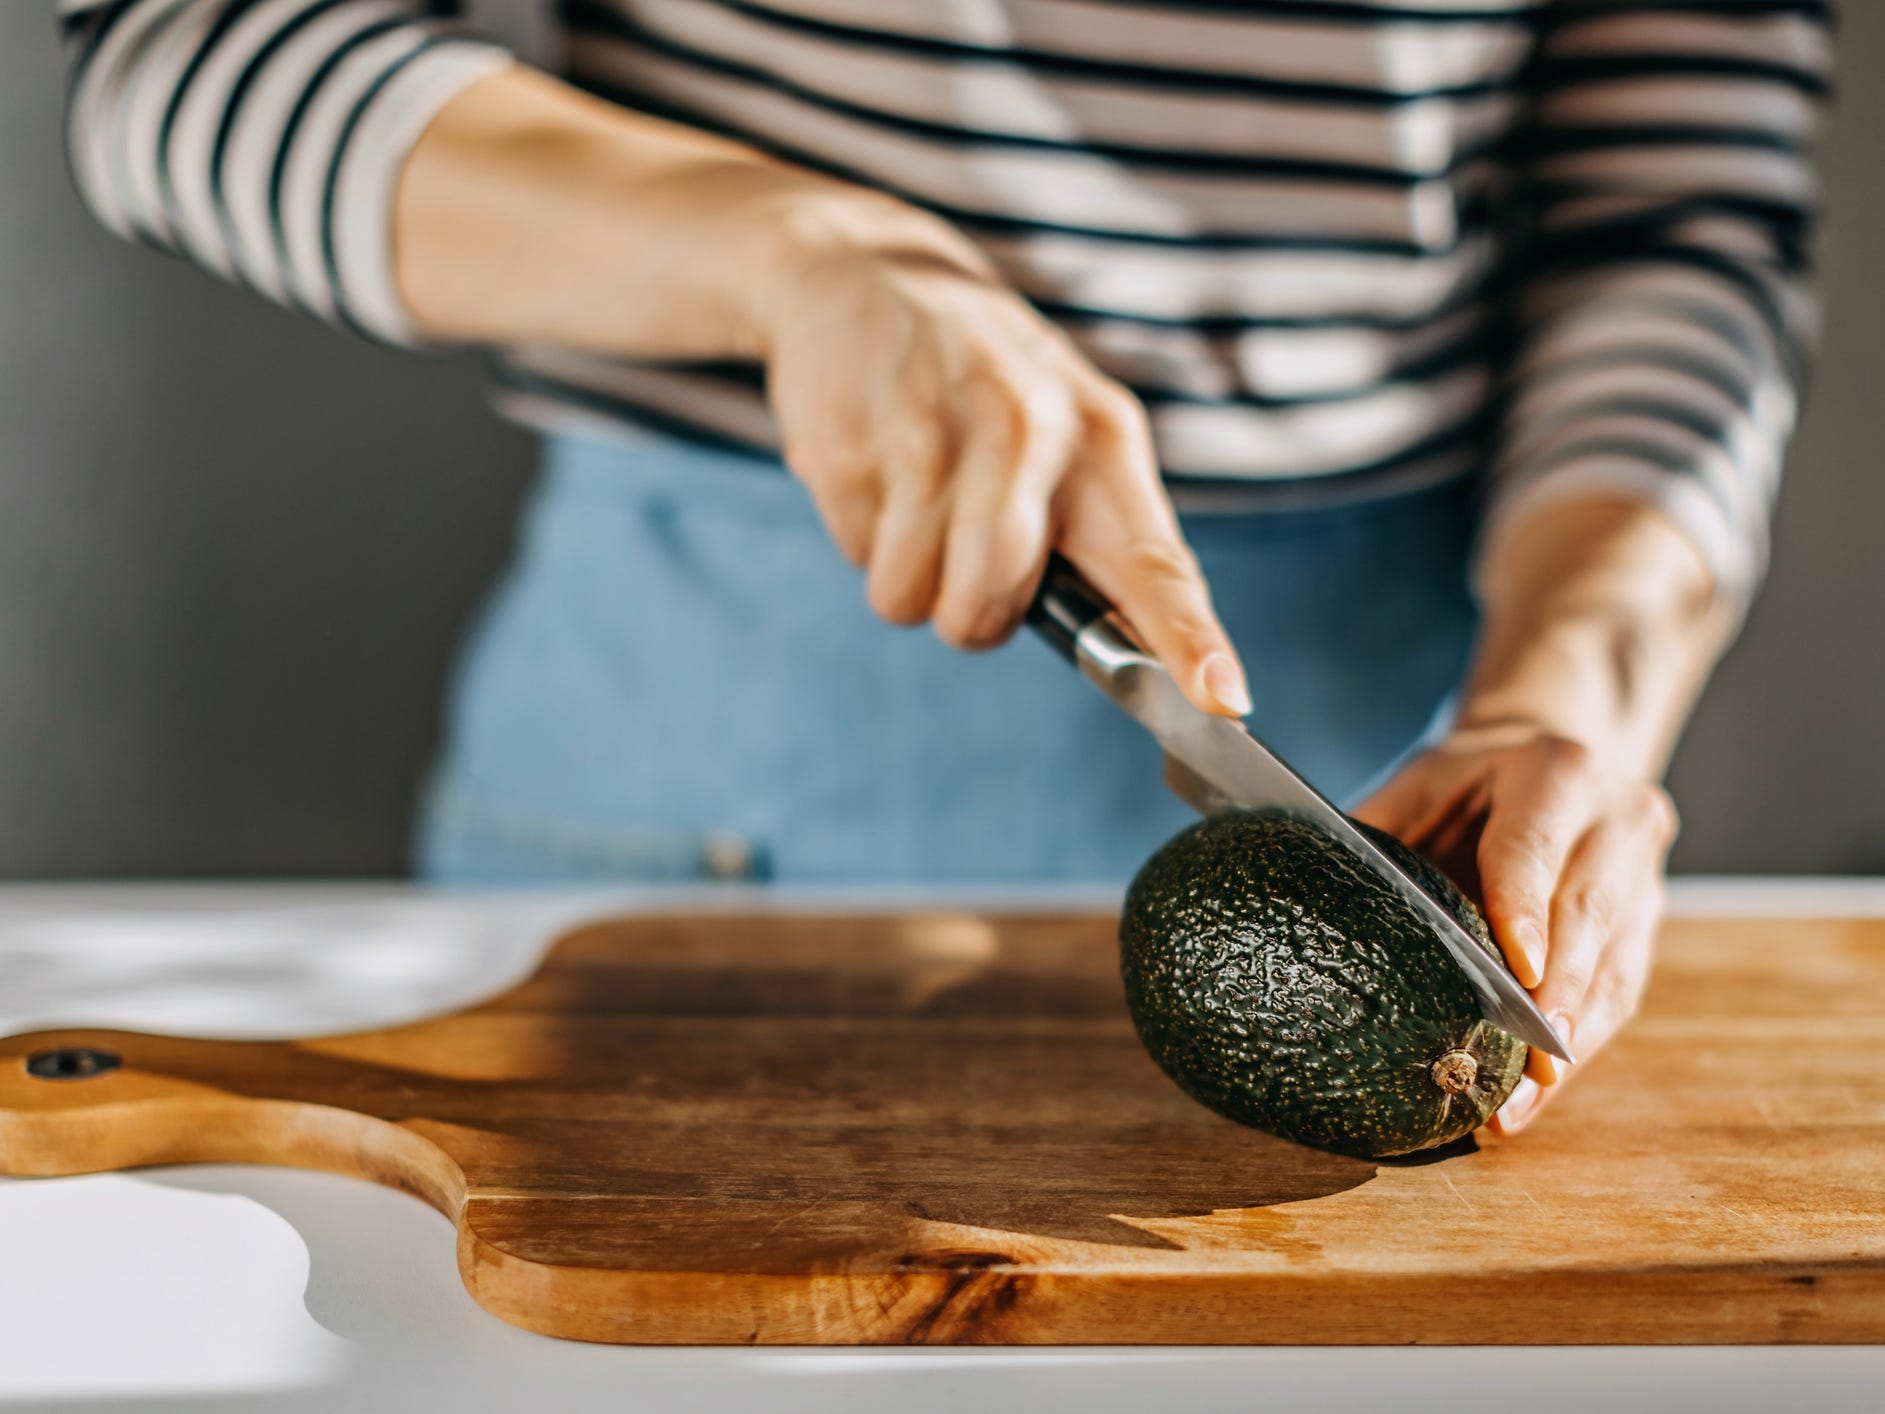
[[263, 139], [1664, 319]]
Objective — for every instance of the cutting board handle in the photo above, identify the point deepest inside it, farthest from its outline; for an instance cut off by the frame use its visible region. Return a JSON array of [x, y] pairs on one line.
[[81, 1101]]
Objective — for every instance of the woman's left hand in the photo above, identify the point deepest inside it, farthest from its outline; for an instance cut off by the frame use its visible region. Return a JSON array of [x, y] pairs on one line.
[[1567, 853]]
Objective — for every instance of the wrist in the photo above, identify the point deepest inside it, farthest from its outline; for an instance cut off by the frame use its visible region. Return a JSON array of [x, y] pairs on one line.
[[1600, 626], [820, 231], [1584, 677]]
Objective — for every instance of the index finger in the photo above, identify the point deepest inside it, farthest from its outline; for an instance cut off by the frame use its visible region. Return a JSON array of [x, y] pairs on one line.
[[1535, 820], [1119, 528]]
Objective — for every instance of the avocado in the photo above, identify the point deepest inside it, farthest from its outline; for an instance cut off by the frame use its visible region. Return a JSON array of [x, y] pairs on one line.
[[1279, 982]]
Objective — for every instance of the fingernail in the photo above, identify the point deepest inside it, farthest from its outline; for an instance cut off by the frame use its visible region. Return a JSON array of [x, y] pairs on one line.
[[1518, 1108], [1531, 951], [1225, 683]]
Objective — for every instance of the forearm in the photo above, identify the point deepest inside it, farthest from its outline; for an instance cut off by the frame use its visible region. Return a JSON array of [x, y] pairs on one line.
[[530, 211], [1664, 319], [1601, 625]]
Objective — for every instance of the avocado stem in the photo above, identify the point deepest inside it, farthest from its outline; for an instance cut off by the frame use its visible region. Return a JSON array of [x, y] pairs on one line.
[[1455, 1072]]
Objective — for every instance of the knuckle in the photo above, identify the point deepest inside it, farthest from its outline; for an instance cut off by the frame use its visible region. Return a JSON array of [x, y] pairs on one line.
[[1046, 406], [1595, 906], [1047, 425], [1023, 427], [1114, 411], [987, 405], [1572, 757], [1657, 811], [1016, 534]]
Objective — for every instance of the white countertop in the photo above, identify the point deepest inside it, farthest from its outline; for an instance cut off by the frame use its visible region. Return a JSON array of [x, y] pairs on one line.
[[243, 1288]]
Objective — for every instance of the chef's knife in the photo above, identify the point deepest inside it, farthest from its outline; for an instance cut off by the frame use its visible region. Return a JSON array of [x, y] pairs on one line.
[[1214, 763]]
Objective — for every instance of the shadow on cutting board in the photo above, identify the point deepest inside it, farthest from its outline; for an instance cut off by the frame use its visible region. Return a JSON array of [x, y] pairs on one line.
[[785, 1094]]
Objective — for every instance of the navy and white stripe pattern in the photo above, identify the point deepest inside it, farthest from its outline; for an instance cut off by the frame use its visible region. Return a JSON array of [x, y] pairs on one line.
[[1664, 322], [1339, 247], [262, 138]]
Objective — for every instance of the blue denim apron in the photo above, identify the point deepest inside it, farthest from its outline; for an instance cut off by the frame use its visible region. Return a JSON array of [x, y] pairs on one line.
[[678, 678]]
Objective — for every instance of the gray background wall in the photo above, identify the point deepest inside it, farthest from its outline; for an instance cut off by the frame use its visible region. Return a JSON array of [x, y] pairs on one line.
[[236, 549]]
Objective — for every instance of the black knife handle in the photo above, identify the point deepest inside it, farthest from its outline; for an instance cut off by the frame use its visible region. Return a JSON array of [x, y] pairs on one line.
[[1064, 605]]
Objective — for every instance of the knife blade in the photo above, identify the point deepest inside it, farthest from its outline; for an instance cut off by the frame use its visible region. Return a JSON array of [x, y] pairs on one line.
[[1214, 763]]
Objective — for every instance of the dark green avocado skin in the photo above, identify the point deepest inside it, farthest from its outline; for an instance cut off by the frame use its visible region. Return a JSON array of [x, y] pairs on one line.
[[1279, 982]]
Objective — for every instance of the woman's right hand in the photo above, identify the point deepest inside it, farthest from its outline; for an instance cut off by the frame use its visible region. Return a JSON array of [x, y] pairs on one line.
[[950, 437]]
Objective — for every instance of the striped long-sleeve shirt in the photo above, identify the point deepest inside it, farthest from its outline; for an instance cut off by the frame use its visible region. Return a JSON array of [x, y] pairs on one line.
[[1339, 247]]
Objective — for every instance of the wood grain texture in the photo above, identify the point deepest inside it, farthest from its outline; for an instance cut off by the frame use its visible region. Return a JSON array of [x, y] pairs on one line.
[[940, 1128]]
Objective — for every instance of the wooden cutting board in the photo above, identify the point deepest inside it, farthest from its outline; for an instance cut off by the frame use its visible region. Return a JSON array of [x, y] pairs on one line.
[[941, 1128]]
